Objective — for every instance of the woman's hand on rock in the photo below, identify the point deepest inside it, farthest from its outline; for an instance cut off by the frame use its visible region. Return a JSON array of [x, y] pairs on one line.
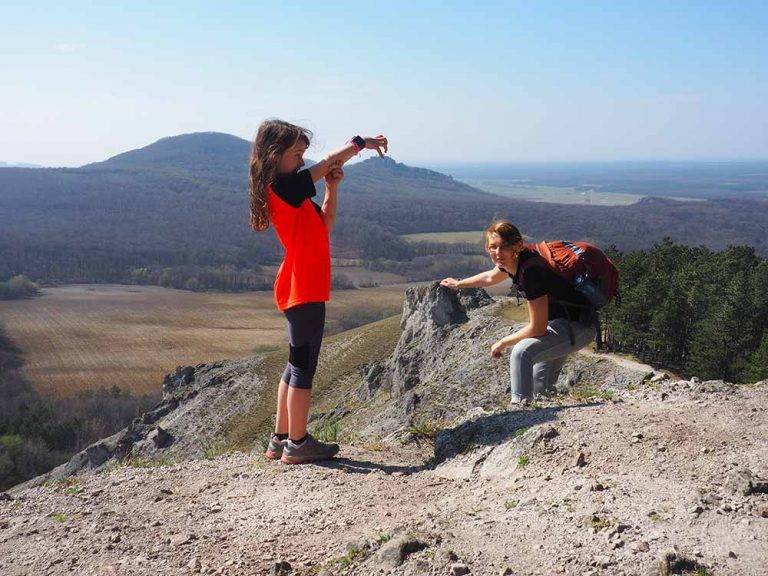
[[450, 283]]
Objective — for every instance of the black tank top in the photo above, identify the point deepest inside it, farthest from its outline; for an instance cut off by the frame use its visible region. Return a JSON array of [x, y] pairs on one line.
[[534, 278]]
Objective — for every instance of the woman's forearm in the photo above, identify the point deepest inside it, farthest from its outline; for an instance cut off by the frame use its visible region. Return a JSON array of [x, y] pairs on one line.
[[526, 331], [476, 281], [329, 207]]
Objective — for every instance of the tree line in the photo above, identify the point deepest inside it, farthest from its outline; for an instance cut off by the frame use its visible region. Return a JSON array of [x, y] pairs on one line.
[[225, 278], [694, 310]]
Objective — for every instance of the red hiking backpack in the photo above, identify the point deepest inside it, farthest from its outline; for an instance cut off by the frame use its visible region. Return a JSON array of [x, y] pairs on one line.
[[586, 267]]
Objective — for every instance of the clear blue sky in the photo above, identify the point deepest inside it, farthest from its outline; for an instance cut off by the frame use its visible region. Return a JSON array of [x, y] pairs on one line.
[[445, 81]]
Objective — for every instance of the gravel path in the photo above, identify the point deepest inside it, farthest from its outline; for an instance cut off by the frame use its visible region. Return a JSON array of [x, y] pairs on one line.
[[661, 467]]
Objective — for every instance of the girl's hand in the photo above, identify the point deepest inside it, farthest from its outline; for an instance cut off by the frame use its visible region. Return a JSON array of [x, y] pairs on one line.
[[498, 348], [335, 176], [450, 283], [376, 143]]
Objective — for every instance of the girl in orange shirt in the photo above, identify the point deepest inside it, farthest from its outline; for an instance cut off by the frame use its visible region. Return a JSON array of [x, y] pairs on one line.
[[281, 193]]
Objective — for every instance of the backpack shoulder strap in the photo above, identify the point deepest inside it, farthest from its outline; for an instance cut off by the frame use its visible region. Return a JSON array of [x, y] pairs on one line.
[[546, 258], [543, 250]]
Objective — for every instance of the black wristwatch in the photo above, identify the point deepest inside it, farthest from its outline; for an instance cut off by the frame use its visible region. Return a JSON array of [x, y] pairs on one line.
[[359, 142]]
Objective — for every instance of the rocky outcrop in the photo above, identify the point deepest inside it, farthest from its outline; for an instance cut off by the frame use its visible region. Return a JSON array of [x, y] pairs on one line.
[[637, 485], [639, 473], [437, 357], [441, 366], [491, 445], [602, 372], [494, 444], [197, 402]]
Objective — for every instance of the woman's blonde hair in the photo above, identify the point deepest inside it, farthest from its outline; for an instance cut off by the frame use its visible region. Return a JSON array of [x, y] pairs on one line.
[[273, 138], [505, 230]]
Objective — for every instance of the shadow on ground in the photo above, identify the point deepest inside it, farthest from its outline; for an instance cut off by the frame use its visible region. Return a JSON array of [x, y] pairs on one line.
[[494, 429], [366, 466]]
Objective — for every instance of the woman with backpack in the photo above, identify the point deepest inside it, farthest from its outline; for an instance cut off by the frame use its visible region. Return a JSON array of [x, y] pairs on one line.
[[563, 283]]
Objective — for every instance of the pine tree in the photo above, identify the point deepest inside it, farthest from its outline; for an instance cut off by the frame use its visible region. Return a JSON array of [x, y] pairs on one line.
[[721, 339], [757, 368]]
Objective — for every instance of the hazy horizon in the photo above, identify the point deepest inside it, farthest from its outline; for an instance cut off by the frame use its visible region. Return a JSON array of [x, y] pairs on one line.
[[438, 164]]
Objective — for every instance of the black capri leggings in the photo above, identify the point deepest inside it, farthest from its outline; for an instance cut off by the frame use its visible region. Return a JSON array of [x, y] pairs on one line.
[[305, 335]]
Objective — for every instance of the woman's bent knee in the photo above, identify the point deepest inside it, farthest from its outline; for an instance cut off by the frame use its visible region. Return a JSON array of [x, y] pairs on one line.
[[521, 353]]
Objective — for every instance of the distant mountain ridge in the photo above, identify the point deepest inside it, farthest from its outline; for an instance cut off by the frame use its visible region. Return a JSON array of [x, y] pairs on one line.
[[387, 176], [186, 151], [206, 151], [182, 200], [223, 156]]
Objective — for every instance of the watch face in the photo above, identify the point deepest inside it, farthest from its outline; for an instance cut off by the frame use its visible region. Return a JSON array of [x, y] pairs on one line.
[[359, 141]]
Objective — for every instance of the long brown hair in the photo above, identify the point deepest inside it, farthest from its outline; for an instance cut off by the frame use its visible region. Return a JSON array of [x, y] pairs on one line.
[[272, 139]]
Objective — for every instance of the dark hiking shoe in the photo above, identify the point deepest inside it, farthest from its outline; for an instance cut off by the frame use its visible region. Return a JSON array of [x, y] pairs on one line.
[[275, 448], [308, 451]]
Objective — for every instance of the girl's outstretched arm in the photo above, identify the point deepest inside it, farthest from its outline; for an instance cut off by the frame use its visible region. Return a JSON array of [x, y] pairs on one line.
[[342, 155]]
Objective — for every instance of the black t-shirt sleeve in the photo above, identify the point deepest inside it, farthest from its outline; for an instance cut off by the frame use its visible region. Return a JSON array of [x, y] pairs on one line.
[[535, 281], [294, 188]]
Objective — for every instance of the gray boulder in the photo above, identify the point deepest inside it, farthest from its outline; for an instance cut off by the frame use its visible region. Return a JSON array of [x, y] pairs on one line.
[[393, 553], [441, 362], [603, 371]]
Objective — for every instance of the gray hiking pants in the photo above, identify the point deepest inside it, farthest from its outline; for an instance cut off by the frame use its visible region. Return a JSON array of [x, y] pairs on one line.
[[535, 363]]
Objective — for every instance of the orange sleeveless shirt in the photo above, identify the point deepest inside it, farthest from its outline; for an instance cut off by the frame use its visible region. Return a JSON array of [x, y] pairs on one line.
[[305, 273]]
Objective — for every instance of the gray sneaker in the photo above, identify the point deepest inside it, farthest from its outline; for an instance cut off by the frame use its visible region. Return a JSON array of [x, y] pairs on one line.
[[275, 448], [308, 451], [518, 401]]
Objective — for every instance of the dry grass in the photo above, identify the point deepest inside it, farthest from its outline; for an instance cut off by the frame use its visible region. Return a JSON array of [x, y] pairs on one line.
[[86, 336]]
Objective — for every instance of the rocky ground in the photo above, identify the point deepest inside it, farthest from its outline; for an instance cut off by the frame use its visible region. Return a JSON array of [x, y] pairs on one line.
[[660, 478]]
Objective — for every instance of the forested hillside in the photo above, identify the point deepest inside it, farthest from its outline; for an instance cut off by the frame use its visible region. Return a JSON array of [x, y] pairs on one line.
[[694, 310], [180, 206]]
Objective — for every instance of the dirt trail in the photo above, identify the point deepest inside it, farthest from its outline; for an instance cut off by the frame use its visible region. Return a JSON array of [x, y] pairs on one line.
[[660, 468]]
